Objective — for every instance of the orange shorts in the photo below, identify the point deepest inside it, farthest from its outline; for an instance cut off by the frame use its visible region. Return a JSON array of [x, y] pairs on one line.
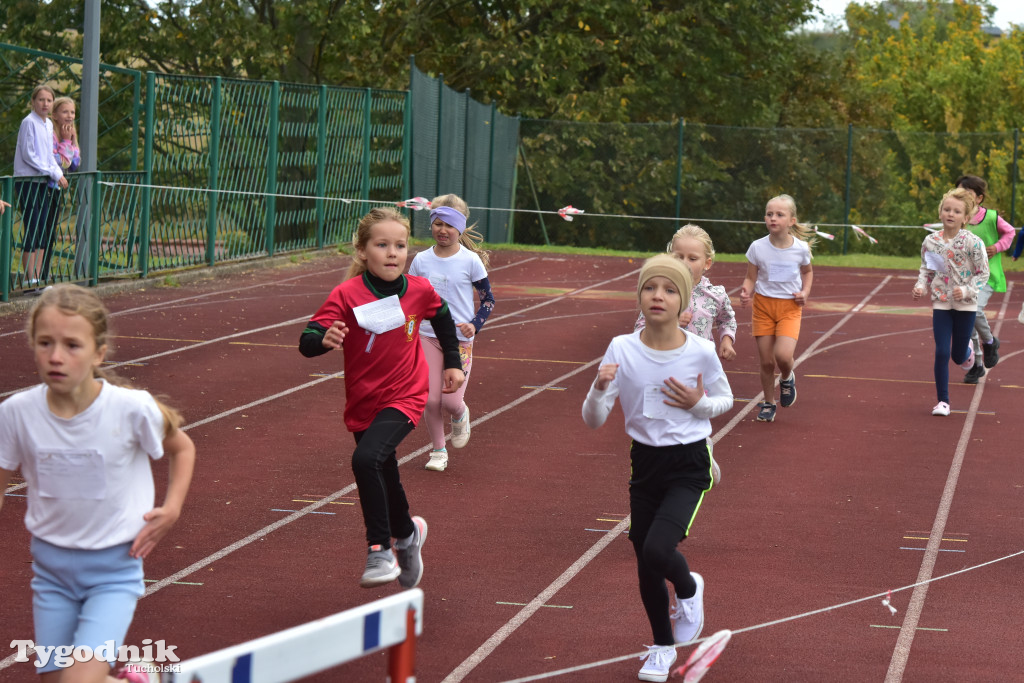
[[776, 317]]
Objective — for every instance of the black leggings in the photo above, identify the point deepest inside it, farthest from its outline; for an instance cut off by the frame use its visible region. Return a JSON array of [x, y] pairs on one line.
[[665, 492], [375, 465]]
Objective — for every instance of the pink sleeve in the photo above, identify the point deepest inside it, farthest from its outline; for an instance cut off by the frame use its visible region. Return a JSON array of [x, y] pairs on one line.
[[1006, 233]]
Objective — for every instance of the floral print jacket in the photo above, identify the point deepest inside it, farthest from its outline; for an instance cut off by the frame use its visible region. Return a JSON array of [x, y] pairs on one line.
[[961, 262]]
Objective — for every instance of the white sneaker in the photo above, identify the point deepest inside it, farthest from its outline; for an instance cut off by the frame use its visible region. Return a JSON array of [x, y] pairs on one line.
[[716, 472], [438, 460], [969, 363], [660, 659], [460, 430], [941, 408], [688, 615]]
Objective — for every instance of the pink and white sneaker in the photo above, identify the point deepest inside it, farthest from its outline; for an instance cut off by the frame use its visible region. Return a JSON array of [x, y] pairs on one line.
[[969, 363]]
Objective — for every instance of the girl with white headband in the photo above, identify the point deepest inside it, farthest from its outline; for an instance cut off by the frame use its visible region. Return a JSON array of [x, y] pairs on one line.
[[455, 266]]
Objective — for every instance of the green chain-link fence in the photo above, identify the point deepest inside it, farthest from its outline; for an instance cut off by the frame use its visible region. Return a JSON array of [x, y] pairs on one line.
[[650, 177]]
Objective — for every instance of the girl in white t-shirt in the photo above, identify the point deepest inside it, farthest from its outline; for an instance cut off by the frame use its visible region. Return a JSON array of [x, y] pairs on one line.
[[670, 383], [778, 281], [83, 445], [455, 266]]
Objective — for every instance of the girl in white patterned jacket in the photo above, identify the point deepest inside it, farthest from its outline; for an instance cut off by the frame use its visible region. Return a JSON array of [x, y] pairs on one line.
[[709, 304], [954, 267]]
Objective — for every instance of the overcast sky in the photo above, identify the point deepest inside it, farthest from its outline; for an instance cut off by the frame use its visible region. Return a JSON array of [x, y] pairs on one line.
[[1007, 11]]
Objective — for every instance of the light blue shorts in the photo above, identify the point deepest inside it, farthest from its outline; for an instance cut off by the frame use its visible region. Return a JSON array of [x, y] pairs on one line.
[[83, 597]]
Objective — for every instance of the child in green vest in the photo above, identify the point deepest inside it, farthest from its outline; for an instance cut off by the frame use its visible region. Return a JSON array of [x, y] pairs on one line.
[[997, 235]]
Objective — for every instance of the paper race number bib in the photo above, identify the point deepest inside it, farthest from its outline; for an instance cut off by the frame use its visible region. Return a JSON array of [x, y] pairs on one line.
[[68, 473], [935, 262], [380, 316]]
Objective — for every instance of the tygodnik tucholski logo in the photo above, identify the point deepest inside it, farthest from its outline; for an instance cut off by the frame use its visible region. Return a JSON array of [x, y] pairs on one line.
[[152, 653]]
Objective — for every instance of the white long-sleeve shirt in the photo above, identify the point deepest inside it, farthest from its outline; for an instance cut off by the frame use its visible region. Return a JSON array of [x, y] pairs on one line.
[[638, 381], [34, 153]]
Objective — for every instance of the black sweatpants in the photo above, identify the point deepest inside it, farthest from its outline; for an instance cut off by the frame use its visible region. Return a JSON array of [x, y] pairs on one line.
[[666, 487], [375, 466]]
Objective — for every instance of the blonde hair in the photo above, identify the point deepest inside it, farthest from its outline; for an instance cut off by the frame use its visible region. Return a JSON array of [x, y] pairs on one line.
[[75, 300], [361, 237], [798, 229], [57, 104], [695, 232], [964, 195], [469, 237]]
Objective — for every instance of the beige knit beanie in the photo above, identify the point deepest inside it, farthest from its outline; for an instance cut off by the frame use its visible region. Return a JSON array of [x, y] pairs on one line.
[[668, 266]]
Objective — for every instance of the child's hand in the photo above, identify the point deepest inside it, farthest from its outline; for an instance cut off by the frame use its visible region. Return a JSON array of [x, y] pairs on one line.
[[681, 396], [684, 318], [800, 297], [158, 522], [453, 379], [744, 297], [990, 250], [5, 205], [918, 293], [605, 375], [335, 335], [467, 330], [62, 183], [958, 294], [726, 350]]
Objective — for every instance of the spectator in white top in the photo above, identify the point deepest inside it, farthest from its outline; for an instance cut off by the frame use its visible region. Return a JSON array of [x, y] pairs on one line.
[[33, 156]]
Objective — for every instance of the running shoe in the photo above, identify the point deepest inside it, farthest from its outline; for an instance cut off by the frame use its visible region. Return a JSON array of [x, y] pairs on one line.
[[787, 391], [941, 409], [660, 659], [767, 412], [460, 430], [688, 614], [969, 363], [974, 374], [409, 558], [139, 672], [381, 567], [438, 460], [990, 352]]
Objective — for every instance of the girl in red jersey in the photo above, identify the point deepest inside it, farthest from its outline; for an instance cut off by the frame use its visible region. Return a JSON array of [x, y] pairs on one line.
[[374, 317]]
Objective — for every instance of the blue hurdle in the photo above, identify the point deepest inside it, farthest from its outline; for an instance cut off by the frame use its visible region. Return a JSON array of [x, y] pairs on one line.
[[392, 622]]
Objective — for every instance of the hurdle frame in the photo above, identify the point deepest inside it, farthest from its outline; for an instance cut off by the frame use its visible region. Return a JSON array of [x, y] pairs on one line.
[[391, 623]]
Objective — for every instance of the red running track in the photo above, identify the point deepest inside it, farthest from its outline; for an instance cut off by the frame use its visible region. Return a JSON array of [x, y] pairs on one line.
[[853, 491]]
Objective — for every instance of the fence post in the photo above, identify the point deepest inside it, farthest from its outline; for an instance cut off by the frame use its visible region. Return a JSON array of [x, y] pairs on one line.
[[6, 237], [147, 163], [1014, 176], [679, 169], [367, 137], [96, 225], [211, 207], [136, 96], [407, 166], [533, 189], [321, 163], [849, 173], [490, 170], [275, 102], [437, 151]]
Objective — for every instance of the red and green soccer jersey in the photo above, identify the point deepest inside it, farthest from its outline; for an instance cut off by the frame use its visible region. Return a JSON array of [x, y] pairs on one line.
[[386, 370]]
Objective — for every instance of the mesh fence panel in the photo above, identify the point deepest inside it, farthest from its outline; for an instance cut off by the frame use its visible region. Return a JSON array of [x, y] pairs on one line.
[[892, 181]]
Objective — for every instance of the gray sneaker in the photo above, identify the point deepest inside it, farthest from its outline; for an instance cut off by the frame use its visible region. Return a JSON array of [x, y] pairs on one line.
[[381, 567], [409, 558], [460, 430]]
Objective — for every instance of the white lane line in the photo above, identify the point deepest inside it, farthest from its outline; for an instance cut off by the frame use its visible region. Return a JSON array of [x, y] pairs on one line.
[[912, 616]]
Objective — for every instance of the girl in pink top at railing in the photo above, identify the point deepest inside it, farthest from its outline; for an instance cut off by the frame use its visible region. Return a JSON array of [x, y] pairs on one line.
[[709, 304], [954, 268], [69, 157], [83, 442], [455, 266]]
